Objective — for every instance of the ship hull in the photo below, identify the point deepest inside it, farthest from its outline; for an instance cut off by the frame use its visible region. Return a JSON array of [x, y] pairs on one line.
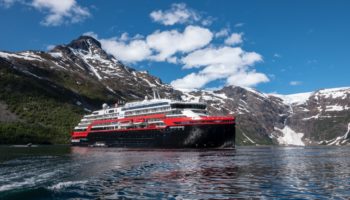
[[189, 136]]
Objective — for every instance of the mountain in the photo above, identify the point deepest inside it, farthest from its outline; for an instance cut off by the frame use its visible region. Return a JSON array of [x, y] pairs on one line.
[[320, 117], [44, 94]]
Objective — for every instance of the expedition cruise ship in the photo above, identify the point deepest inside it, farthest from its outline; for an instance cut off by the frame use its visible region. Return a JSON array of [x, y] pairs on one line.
[[160, 123]]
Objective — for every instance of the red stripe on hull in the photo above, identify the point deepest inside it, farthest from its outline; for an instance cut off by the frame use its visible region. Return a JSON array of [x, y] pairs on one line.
[[169, 122]]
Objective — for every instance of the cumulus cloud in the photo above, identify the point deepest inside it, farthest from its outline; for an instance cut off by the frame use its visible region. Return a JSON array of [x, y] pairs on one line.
[[60, 12], [134, 51], [208, 21], [178, 13], [234, 56], [234, 39], [229, 63], [295, 83], [57, 12], [158, 46], [124, 48], [222, 33], [247, 78], [193, 49], [191, 81], [167, 43]]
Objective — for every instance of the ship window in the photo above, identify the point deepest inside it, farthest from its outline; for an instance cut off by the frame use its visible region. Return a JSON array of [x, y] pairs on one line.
[[191, 106], [200, 111], [146, 106], [111, 111]]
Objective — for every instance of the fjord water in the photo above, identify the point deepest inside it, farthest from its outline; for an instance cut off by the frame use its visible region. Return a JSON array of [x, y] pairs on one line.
[[63, 172]]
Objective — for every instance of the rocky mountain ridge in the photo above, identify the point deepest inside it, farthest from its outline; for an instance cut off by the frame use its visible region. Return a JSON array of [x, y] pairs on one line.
[[81, 76], [320, 117]]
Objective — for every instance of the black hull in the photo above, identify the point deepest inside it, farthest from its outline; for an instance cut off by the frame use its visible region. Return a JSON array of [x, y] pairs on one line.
[[196, 136]]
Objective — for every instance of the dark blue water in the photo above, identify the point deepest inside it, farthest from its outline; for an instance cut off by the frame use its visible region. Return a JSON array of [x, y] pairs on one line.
[[62, 172]]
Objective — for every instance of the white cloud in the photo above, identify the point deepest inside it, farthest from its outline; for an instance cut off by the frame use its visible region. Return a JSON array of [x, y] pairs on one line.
[[60, 12], [92, 34], [247, 78], [239, 25], [229, 63], [158, 46], [191, 81], [133, 51], [57, 12], [8, 3], [208, 21], [233, 56], [276, 55], [167, 43], [295, 83], [50, 47], [222, 33], [178, 13], [235, 38]]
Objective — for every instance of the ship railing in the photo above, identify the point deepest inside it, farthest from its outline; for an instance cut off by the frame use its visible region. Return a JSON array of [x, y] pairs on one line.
[[149, 112]]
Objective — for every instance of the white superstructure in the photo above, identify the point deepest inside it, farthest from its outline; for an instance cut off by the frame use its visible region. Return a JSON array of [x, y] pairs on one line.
[[142, 108]]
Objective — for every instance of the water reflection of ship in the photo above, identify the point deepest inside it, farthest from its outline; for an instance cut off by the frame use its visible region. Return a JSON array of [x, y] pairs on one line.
[[155, 123]]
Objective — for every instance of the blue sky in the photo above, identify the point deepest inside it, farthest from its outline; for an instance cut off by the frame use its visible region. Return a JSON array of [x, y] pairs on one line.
[[275, 46]]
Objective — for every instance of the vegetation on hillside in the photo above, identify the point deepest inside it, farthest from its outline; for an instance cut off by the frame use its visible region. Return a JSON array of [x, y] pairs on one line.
[[46, 114]]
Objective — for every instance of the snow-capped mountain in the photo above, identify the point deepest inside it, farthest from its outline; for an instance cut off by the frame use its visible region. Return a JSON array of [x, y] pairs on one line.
[[82, 74], [320, 117], [84, 62]]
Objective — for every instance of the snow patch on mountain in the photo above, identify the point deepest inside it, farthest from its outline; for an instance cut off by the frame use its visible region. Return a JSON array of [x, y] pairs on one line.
[[336, 108], [149, 83], [252, 90], [110, 89], [218, 95], [290, 137], [189, 97], [56, 54], [299, 98], [335, 92], [22, 55]]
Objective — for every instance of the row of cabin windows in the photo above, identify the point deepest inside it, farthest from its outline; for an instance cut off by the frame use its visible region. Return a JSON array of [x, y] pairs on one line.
[[204, 121], [101, 117], [147, 111], [109, 111], [200, 111], [188, 106], [146, 106], [80, 129], [128, 127], [119, 123]]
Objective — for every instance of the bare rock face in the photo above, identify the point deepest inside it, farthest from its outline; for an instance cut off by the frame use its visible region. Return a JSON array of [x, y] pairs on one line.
[[82, 74], [323, 117], [320, 117], [256, 113]]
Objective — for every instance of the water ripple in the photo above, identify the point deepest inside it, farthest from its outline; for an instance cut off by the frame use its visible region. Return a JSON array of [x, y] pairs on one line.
[[108, 173]]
